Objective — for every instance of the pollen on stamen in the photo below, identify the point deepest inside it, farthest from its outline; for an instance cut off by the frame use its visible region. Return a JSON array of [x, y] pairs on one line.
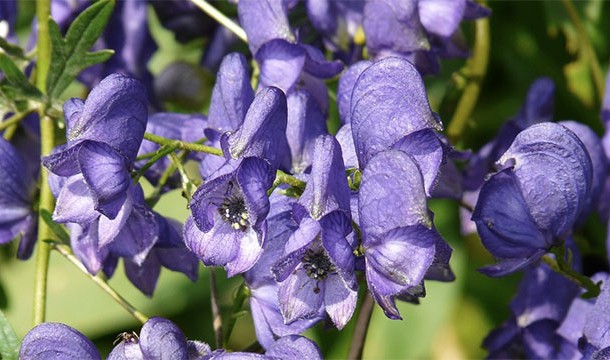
[[233, 210], [317, 265]]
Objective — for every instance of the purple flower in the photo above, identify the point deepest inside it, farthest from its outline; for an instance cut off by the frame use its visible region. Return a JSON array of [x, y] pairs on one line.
[[399, 240], [264, 302], [263, 21], [57, 341], [17, 186], [316, 271], [227, 226], [104, 134], [539, 307], [389, 108], [532, 204], [421, 31], [287, 347]]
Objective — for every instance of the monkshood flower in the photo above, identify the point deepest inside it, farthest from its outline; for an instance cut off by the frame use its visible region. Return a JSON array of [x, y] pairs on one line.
[[103, 137], [316, 270], [227, 227], [541, 304], [57, 341], [264, 302], [532, 204], [538, 107], [338, 22], [389, 108], [263, 21], [587, 325], [285, 348], [421, 31], [399, 240], [173, 126], [17, 187]]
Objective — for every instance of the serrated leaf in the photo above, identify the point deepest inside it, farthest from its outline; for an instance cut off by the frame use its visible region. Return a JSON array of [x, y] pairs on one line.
[[71, 55], [57, 229], [17, 81], [9, 344]]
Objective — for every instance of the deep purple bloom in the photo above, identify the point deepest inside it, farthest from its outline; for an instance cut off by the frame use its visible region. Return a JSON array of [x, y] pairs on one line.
[[287, 347], [57, 341], [316, 271], [421, 31], [104, 134], [532, 204], [539, 106], [389, 108], [264, 302], [17, 186], [263, 21], [398, 237], [541, 304], [228, 226]]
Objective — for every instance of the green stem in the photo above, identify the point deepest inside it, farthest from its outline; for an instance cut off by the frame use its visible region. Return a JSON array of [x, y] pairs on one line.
[[558, 264], [242, 294], [47, 132], [43, 44], [47, 138], [222, 19], [283, 178], [182, 144], [476, 68], [164, 150], [216, 315], [586, 48], [100, 280]]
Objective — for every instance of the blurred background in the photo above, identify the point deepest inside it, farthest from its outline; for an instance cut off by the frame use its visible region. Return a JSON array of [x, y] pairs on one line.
[[529, 39]]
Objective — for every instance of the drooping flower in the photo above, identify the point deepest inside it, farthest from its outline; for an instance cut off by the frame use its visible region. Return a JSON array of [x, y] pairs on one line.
[[316, 270], [104, 134], [17, 186], [533, 203], [421, 31], [399, 241]]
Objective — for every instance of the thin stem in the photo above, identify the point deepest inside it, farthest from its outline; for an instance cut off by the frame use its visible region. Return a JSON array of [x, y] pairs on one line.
[[43, 44], [100, 280], [586, 48], [216, 316], [362, 327], [222, 19], [283, 178], [188, 185], [476, 68], [14, 119], [558, 264], [182, 144], [164, 150], [242, 294]]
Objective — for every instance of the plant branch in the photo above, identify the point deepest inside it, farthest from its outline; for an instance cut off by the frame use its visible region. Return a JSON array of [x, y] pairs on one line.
[[362, 327], [476, 68], [100, 280], [242, 294], [216, 315], [222, 19], [586, 48], [560, 265], [177, 144]]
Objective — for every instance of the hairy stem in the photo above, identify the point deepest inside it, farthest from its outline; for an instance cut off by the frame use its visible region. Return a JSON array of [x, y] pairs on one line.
[[222, 19], [476, 68], [362, 327], [100, 280]]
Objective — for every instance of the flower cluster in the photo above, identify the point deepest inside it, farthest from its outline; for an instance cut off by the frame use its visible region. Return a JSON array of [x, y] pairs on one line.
[[313, 215]]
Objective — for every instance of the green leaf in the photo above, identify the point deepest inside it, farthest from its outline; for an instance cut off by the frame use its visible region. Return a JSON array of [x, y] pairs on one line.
[[16, 84], [12, 50], [57, 229], [9, 344], [71, 55]]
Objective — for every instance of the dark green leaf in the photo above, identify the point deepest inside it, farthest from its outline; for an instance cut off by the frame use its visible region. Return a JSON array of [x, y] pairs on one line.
[[16, 81], [71, 55], [9, 344], [12, 50], [57, 229]]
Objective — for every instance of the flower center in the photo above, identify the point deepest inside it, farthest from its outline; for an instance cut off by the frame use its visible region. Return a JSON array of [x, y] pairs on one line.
[[317, 264], [233, 210]]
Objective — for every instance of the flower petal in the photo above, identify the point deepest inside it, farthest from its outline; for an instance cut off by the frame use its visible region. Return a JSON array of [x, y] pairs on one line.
[[300, 297], [347, 81], [105, 172], [441, 17], [75, 203], [391, 194], [162, 339], [215, 248], [281, 64], [339, 300], [389, 101], [294, 347], [263, 21], [57, 341], [232, 94]]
